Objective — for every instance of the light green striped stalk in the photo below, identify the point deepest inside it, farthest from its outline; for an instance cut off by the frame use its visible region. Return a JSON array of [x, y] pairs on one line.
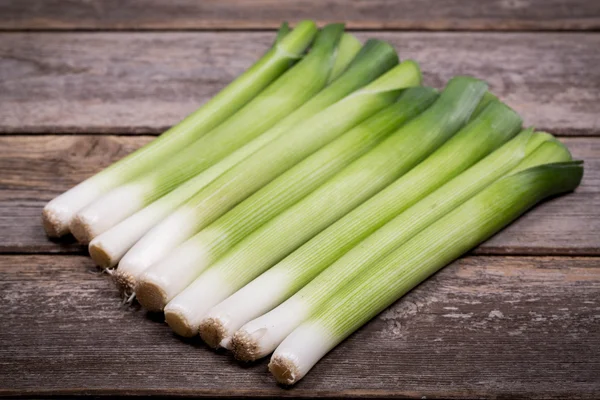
[[363, 178], [214, 241], [385, 281], [256, 171], [491, 128], [348, 48], [278, 149], [58, 213], [275, 102], [373, 59], [262, 335]]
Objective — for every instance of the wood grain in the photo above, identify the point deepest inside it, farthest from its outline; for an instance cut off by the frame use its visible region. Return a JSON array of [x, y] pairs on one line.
[[34, 169], [483, 327], [268, 14], [144, 82]]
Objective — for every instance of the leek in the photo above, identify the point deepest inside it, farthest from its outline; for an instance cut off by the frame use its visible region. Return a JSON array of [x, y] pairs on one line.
[[256, 171], [214, 241], [360, 180], [274, 326], [446, 239], [58, 213], [280, 98], [491, 128], [110, 246], [280, 153]]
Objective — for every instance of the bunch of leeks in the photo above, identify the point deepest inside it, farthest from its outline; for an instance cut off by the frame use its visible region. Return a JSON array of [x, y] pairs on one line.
[[315, 190]]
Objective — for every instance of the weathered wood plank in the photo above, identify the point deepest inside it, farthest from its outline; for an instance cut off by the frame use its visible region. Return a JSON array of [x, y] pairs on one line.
[[483, 327], [34, 169], [268, 14], [145, 82]]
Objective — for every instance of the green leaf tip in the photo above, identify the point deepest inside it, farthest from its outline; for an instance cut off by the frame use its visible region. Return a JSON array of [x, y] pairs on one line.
[[295, 42], [347, 50], [328, 38], [282, 32], [374, 59], [403, 75]]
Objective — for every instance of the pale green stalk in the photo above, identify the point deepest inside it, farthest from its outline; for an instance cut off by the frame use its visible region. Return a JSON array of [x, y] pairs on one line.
[[360, 180], [58, 213], [374, 58], [260, 336], [211, 243], [282, 97], [492, 127], [256, 171], [348, 48], [444, 240], [276, 150]]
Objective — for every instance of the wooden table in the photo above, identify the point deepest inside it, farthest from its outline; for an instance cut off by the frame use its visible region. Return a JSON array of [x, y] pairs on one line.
[[83, 83]]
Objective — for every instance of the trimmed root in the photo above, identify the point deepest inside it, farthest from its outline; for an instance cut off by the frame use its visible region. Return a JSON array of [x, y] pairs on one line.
[[81, 230], [284, 370], [212, 332], [124, 281], [151, 296], [53, 225], [129, 300], [179, 323], [244, 346], [100, 256]]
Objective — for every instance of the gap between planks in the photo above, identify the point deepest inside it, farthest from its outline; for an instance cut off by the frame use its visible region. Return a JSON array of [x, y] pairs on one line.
[[261, 14]]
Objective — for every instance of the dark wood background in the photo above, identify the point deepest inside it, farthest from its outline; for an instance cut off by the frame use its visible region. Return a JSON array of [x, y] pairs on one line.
[[83, 83]]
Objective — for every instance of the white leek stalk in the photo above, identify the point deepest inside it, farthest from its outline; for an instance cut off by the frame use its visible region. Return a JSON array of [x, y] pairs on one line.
[[444, 240], [58, 213], [397, 154], [491, 128]]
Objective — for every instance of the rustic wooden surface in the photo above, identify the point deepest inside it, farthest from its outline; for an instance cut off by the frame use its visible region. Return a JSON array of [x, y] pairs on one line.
[[518, 319], [262, 14], [145, 82], [482, 327]]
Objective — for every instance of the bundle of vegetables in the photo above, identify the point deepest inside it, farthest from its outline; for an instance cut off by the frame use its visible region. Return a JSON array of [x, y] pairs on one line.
[[311, 193]]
